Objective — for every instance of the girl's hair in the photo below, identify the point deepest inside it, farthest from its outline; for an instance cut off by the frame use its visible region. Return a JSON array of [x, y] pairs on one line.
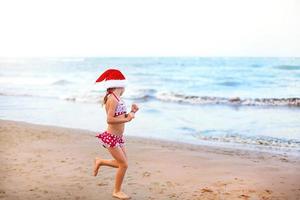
[[108, 91]]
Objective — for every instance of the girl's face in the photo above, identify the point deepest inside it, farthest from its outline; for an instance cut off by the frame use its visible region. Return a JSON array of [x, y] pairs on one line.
[[120, 90]]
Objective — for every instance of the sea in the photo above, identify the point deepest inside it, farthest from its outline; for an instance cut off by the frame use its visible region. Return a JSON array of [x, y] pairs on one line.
[[234, 102]]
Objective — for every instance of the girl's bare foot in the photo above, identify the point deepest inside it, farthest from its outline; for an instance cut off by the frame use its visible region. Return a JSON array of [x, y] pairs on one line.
[[97, 164], [120, 195]]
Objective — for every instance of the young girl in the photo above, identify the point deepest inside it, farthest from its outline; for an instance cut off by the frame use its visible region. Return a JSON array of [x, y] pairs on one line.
[[112, 139]]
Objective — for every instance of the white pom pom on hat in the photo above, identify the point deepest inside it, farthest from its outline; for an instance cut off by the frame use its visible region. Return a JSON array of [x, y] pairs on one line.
[[112, 78]]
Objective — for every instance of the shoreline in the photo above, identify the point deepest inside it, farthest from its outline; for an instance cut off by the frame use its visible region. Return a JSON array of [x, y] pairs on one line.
[[217, 145], [51, 162], [276, 129]]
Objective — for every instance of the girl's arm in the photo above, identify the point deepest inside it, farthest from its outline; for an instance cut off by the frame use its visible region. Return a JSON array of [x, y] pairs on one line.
[[111, 105]]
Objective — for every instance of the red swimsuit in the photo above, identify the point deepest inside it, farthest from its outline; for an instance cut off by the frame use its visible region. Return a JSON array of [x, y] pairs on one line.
[[111, 140]]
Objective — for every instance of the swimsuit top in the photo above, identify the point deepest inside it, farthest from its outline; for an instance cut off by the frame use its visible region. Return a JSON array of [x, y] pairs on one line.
[[121, 107]]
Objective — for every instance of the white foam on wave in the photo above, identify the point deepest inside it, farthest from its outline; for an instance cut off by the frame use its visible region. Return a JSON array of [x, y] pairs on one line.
[[180, 98], [18, 80], [61, 82], [253, 140]]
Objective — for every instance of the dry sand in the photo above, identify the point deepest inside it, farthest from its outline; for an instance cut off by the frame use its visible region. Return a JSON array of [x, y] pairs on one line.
[[47, 162]]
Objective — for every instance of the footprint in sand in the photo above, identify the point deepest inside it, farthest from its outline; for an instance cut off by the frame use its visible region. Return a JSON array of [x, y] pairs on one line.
[[102, 184], [161, 191], [204, 190], [207, 193], [284, 160], [265, 195], [221, 184], [170, 184], [79, 187], [268, 191], [173, 195], [131, 183], [156, 187], [146, 174], [244, 196]]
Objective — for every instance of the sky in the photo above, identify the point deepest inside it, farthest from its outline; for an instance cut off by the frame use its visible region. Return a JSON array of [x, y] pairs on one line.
[[75, 28]]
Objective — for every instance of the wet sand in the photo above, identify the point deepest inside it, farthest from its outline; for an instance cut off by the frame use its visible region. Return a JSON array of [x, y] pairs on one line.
[[48, 162]]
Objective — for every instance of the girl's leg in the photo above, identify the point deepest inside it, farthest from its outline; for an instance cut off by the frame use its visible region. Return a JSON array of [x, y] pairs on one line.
[[106, 162], [120, 157], [98, 162], [124, 151]]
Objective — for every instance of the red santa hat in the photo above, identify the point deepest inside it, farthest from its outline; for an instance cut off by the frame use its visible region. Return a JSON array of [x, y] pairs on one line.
[[112, 78]]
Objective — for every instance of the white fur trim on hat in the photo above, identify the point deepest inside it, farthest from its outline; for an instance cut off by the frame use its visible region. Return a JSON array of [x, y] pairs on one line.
[[115, 83]]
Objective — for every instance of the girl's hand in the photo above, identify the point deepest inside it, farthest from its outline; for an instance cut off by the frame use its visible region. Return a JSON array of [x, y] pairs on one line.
[[134, 108], [130, 116]]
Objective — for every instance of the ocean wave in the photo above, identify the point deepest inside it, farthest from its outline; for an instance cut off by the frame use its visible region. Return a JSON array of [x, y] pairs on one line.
[[23, 80], [33, 81], [180, 98], [71, 59], [142, 94], [253, 140], [151, 94], [230, 83], [287, 67], [14, 94], [240, 137], [86, 98], [61, 82]]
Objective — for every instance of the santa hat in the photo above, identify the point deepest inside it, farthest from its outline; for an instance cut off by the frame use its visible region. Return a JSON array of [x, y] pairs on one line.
[[112, 78]]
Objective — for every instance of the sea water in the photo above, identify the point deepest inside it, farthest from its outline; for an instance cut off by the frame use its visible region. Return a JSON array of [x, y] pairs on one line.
[[218, 101]]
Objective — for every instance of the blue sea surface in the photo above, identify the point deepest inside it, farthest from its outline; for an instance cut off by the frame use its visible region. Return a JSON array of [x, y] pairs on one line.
[[218, 101]]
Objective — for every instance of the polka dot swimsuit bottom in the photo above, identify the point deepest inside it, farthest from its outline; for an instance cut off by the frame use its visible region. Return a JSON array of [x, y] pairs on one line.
[[110, 140]]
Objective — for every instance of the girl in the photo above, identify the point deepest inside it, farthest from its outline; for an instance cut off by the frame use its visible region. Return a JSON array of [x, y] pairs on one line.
[[112, 139]]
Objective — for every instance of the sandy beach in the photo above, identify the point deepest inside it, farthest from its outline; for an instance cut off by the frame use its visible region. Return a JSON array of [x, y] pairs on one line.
[[47, 162]]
